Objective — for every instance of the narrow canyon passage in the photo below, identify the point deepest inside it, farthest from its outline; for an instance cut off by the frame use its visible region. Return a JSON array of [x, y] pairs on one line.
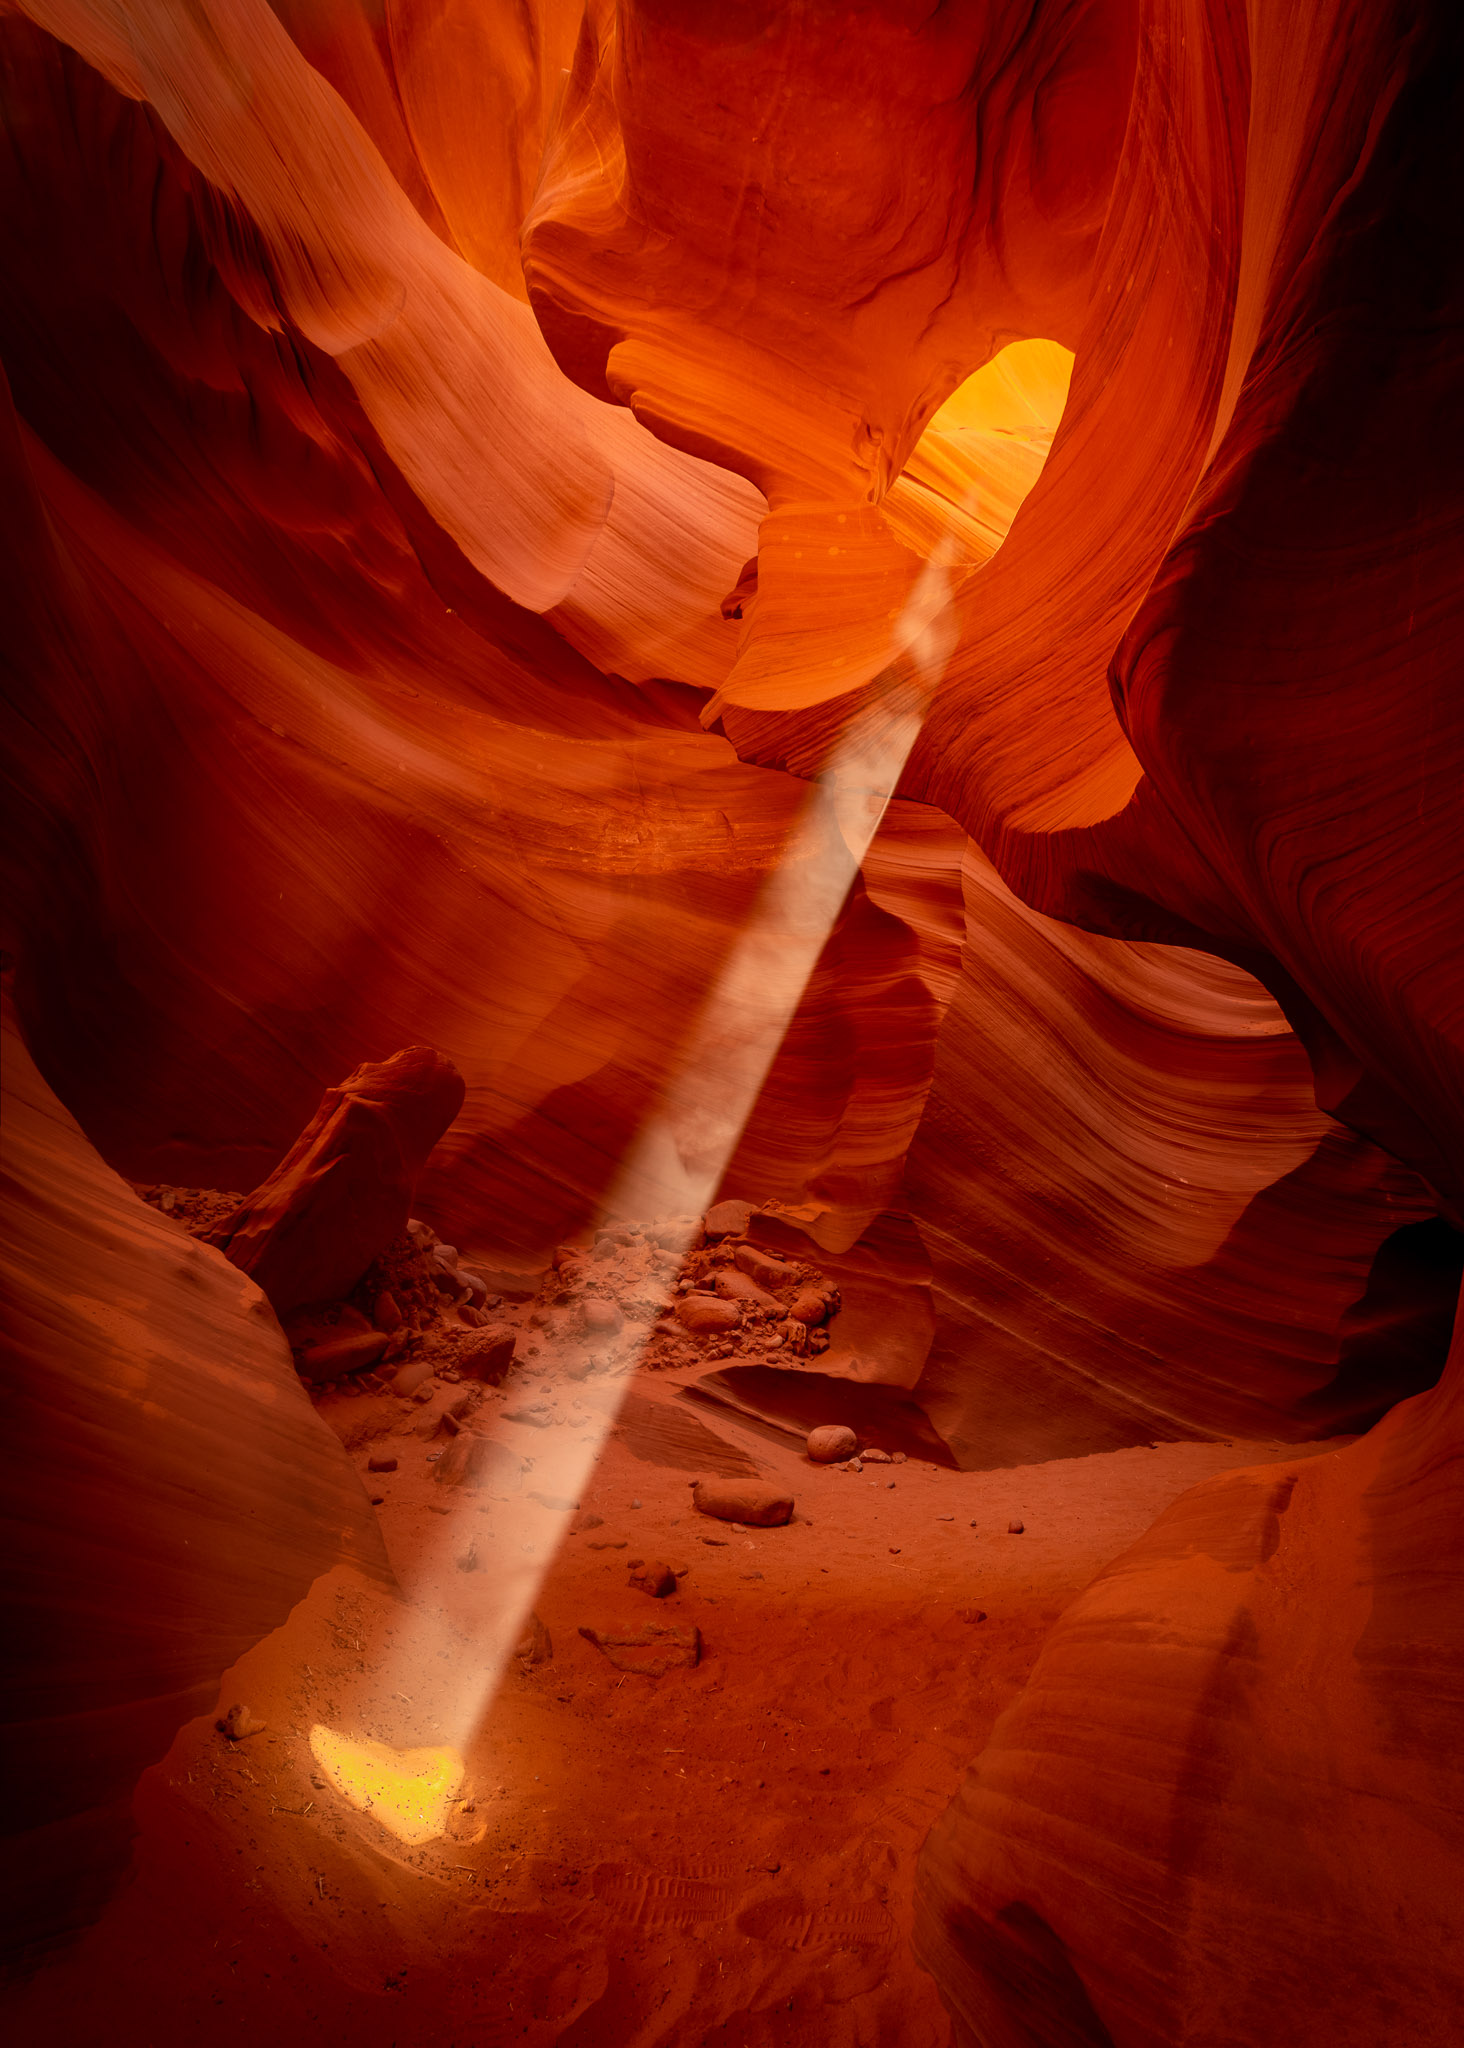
[[732, 1023]]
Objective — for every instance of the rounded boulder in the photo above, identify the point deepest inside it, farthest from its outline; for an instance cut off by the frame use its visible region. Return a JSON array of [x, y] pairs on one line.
[[736, 1500], [703, 1314], [831, 1444]]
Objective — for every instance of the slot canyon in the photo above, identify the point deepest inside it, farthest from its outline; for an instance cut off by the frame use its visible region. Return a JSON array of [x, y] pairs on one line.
[[733, 1041]]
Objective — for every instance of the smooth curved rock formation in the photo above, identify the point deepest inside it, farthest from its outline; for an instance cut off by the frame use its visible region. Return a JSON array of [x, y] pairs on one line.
[[344, 1190], [1138, 1120], [1279, 1664], [169, 1496], [468, 471], [1260, 1835]]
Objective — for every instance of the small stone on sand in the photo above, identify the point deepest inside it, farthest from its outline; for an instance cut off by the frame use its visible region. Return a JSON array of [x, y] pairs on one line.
[[831, 1443]]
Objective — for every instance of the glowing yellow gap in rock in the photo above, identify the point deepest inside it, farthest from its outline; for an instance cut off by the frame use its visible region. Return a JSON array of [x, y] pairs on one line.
[[409, 1791]]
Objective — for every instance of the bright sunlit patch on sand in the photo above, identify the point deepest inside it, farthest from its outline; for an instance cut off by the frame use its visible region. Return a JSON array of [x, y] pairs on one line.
[[409, 1791]]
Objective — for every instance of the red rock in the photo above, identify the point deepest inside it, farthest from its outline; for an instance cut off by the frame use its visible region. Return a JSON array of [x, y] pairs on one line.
[[831, 1443], [763, 1267], [386, 1313], [488, 1355], [381, 1464], [510, 1282], [809, 1306], [535, 1646], [651, 1651], [1194, 715], [727, 1219], [733, 1500], [656, 1579], [330, 1343], [735, 1286], [344, 1189], [704, 1315], [238, 1723], [478, 1462]]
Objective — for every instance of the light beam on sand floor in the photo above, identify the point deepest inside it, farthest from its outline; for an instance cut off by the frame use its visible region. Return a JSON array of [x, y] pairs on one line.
[[409, 1791], [474, 1620]]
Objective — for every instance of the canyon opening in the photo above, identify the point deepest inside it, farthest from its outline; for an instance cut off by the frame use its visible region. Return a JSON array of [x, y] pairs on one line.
[[733, 1068]]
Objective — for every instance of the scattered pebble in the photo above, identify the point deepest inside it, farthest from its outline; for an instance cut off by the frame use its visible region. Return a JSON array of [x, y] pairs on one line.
[[945, 1518], [831, 1444], [535, 1413], [238, 1723], [381, 1464], [534, 1645], [1013, 1528], [894, 1550], [656, 1579]]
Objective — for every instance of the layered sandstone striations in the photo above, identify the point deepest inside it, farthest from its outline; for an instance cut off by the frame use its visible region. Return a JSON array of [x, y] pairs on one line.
[[385, 479]]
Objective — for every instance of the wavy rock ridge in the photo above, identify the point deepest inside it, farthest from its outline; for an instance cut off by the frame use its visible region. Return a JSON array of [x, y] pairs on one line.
[[465, 473]]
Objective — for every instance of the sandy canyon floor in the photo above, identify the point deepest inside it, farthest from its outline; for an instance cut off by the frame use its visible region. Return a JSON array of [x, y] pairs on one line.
[[720, 1854]]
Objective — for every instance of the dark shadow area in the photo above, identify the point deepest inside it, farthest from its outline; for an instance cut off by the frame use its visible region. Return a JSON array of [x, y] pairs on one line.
[[1396, 1336], [786, 1405]]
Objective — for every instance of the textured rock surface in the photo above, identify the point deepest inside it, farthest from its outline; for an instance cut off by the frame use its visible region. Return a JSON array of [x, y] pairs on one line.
[[731, 1500], [400, 444], [344, 1190], [167, 1487], [1279, 1663]]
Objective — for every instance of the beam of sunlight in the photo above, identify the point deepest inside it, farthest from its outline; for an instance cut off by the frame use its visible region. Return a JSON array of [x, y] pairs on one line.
[[471, 1620]]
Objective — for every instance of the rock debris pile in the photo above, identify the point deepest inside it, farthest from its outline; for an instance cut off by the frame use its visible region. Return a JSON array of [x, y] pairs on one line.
[[676, 1291], [682, 1290]]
